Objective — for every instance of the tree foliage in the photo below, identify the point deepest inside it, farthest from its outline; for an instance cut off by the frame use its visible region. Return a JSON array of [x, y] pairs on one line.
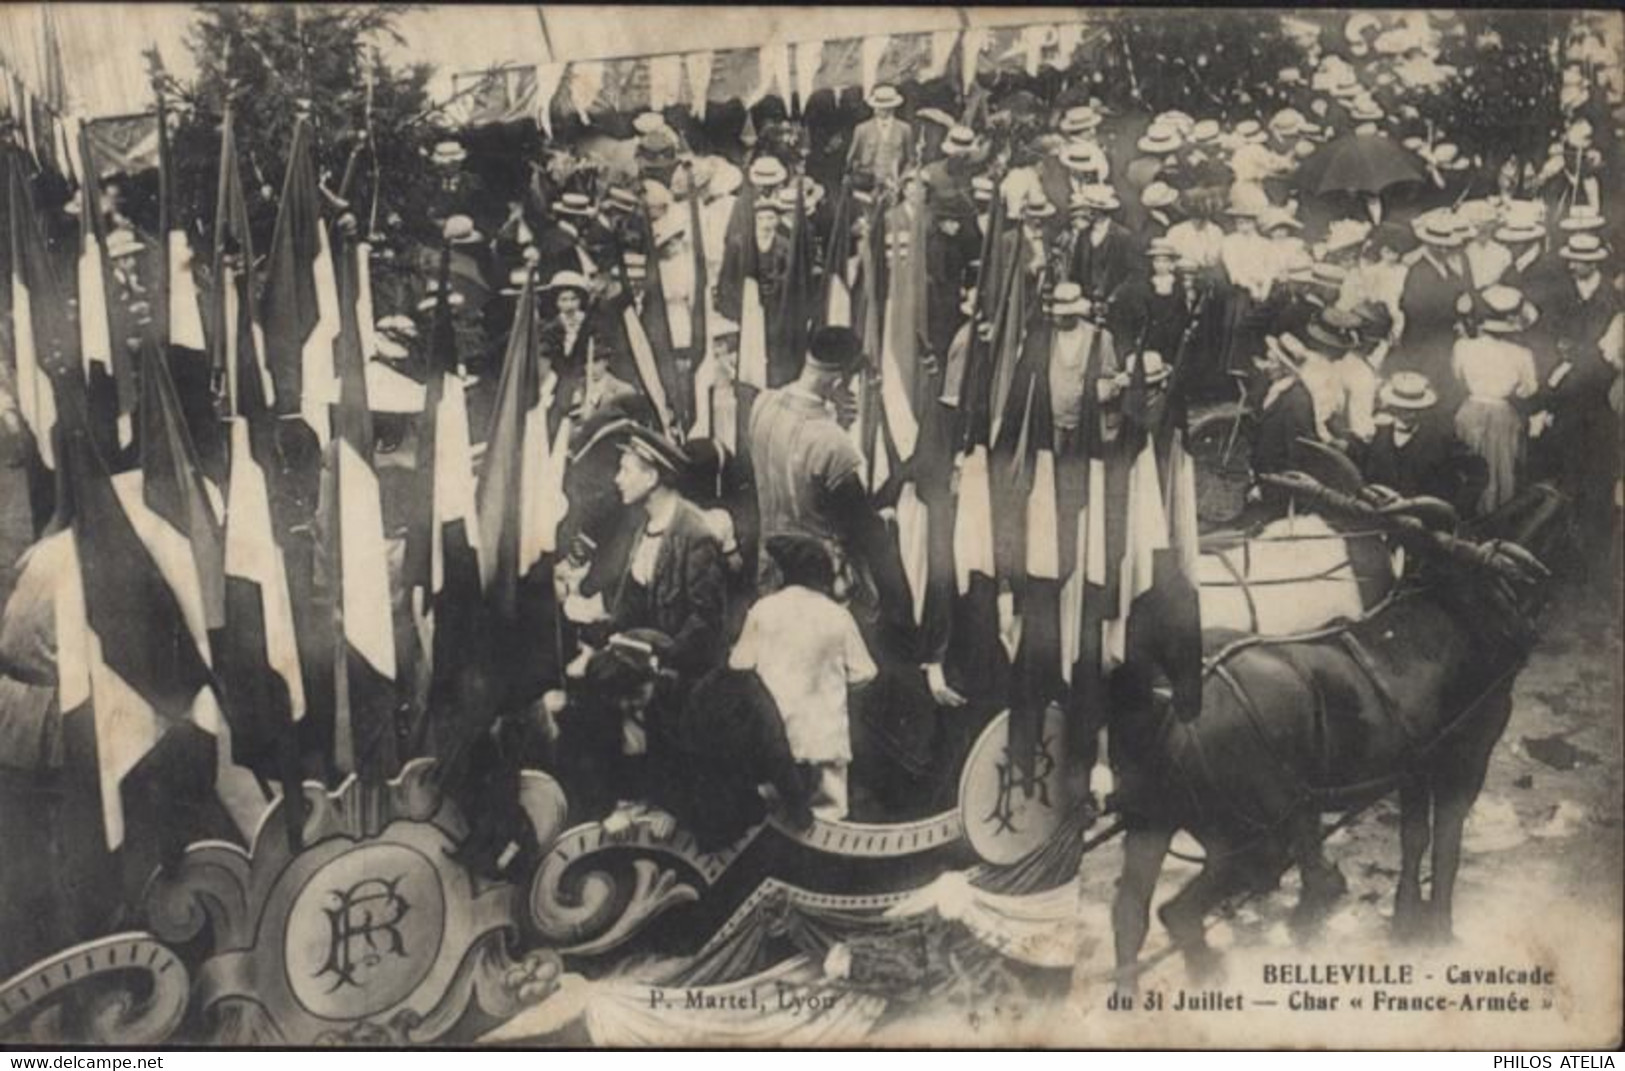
[[1222, 64], [275, 62]]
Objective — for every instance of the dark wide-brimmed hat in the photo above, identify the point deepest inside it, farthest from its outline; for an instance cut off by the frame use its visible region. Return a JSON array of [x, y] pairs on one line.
[[654, 449]]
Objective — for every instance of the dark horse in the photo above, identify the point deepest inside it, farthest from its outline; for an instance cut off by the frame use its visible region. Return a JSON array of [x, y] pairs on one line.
[[1413, 696]]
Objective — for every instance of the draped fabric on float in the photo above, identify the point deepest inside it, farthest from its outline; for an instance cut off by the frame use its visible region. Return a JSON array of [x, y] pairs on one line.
[[301, 302], [364, 656]]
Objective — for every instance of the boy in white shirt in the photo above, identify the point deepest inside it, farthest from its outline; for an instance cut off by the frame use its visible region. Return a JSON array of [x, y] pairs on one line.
[[806, 649]]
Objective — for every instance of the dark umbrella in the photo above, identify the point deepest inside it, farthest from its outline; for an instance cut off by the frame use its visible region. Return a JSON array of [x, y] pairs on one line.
[[1359, 163]]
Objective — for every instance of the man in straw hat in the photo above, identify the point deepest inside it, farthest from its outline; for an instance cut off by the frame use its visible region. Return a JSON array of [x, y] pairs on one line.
[[1494, 370], [882, 145], [1434, 284], [1412, 449], [1103, 251]]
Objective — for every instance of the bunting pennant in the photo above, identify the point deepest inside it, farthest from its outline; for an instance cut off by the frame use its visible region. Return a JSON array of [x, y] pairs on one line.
[[549, 76], [873, 50], [584, 81], [697, 65], [665, 82], [971, 47], [301, 307]]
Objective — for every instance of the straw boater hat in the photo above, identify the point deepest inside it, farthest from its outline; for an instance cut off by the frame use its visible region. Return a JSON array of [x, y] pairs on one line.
[[1181, 122], [1342, 83], [123, 243], [767, 171], [460, 230], [981, 188], [1584, 247], [1288, 122], [1156, 369], [1161, 247], [1407, 390], [1437, 229], [1446, 157], [1067, 300], [569, 280], [448, 153], [884, 96], [1098, 197], [1329, 333], [1037, 207], [573, 204], [516, 282], [397, 325], [1510, 312], [1274, 218], [1250, 132], [1080, 120], [1205, 132], [1084, 156], [1582, 218], [1364, 109], [648, 122], [1522, 221], [1158, 195], [620, 199], [1160, 138], [960, 140]]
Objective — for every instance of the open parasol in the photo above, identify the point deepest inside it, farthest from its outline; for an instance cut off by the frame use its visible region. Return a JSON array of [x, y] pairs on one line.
[[1359, 163]]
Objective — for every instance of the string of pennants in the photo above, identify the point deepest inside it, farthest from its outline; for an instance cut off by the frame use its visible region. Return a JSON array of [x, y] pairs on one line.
[[127, 144], [550, 92]]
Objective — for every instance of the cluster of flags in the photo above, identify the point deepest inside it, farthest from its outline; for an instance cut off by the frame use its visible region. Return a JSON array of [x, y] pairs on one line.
[[224, 634]]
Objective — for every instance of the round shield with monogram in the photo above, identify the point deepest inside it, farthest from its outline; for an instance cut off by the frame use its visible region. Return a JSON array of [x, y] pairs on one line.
[[1009, 807]]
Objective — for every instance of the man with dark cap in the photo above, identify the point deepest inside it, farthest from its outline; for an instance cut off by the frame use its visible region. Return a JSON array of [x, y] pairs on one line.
[[808, 477]]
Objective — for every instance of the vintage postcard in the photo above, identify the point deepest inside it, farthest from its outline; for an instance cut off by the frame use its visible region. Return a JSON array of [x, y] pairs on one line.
[[790, 527]]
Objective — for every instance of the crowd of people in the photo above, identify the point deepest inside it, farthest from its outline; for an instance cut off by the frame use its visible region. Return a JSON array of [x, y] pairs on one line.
[[739, 627]]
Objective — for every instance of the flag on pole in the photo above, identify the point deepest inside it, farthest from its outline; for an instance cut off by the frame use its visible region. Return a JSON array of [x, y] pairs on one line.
[[130, 644], [358, 556], [835, 310], [521, 487], [183, 315], [1038, 656], [257, 653], [739, 294], [795, 293], [301, 302], [37, 323], [109, 376], [443, 576]]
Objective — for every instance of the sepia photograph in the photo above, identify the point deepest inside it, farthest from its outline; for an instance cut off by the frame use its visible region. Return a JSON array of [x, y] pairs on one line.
[[571, 526]]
